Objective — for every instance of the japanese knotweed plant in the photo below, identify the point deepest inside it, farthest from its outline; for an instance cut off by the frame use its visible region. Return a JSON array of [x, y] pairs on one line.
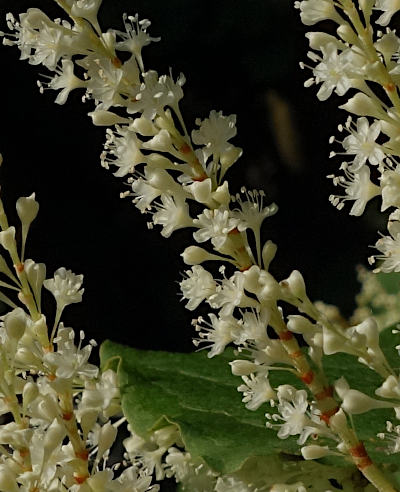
[[321, 396]]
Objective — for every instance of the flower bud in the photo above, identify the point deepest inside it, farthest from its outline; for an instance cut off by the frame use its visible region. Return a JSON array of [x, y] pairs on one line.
[[338, 422], [48, 409], [201, 190], [332, 342], [295, 284], [314, 452], [243, 367], [144, 127], [7, 238], [107, 436], [29, 393], [194, 255], [300, 324], [366, 6], [15, 323], [25, 357], [369, 329], [221, 194], [36, 273], [347, 34], [229, 157], [40, 329], [363, 105], [355, 402], [27, 209], [268, 253], [100, 117], [54, 435]]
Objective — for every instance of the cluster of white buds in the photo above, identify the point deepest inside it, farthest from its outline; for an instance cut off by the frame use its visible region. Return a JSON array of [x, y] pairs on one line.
[[178, 178]]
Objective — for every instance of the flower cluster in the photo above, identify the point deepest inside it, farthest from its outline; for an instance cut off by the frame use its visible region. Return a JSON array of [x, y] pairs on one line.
[[59, 414], [177, 178], [361, 61]]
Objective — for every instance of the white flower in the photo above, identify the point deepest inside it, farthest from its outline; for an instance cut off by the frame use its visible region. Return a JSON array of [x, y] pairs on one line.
[[256, 390], [65, 287], [66, 80], [217, 334], [40, 40], [135, 36], [104, 82], [215, 225], [101, 397], [255, 328], [144, 194], [252, 211], [358, 187], [293, 408], [70, 361], [154, 183], [214, 133], [122, 149], [155, 93], [313, 11], [171, 214], [230, 294], [197, 286], [389, 8], [333, 71], [361, 143]]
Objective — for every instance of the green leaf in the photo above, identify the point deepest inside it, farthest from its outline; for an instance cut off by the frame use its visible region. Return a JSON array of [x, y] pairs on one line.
[[199, 395]]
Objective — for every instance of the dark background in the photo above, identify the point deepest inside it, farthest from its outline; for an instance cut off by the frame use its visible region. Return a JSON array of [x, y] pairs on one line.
[[239, 57]]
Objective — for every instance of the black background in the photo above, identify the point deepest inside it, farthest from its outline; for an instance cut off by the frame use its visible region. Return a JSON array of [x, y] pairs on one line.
[[237, 56]]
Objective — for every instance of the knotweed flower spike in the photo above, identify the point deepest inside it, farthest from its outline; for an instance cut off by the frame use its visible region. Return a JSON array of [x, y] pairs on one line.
[[64, 413]]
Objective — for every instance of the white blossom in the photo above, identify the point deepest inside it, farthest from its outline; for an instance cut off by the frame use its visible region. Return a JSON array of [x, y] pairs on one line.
[[334, 71], [197, 285], [214, 133], [215, 225], [135, 36], [256, 390], [122, 149], [65, 287], [362, 143], [358, 187], [252, 212], [171, 215], [217, 334]]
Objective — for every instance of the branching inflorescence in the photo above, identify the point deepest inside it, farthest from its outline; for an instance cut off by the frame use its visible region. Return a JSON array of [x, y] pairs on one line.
[[178, 178]]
